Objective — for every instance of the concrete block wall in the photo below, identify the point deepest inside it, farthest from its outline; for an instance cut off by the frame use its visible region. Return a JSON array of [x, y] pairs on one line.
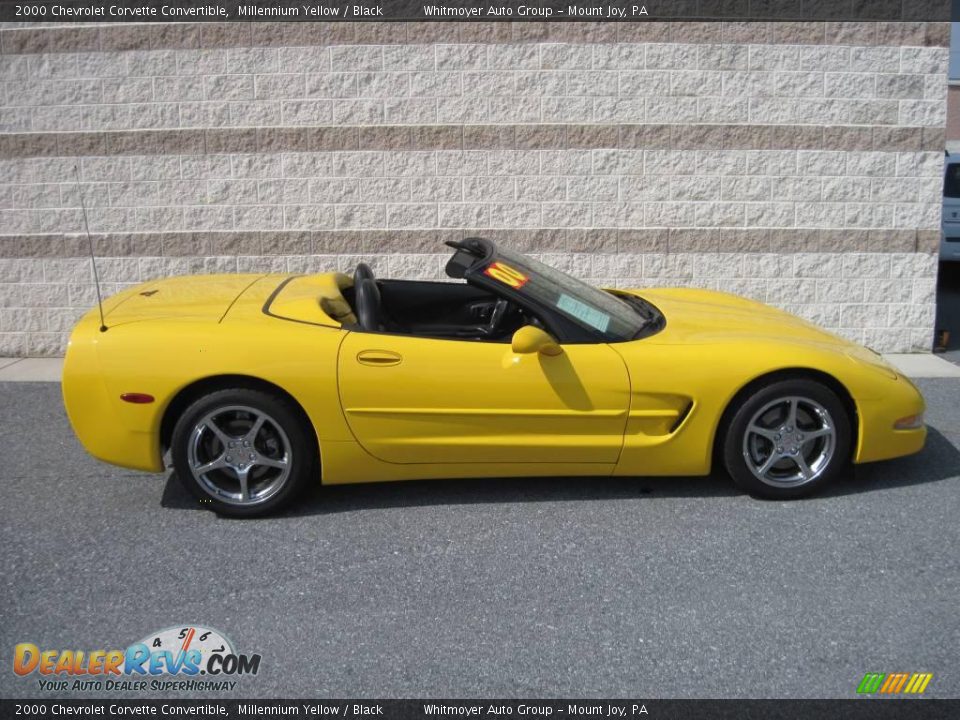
[[796, 163]]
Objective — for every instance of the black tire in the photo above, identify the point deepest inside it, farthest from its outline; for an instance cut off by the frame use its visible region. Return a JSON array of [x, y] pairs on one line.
[[751, 441], [282, 439]]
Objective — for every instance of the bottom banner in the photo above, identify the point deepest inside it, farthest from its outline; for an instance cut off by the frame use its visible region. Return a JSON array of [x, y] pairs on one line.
[[901, 709]]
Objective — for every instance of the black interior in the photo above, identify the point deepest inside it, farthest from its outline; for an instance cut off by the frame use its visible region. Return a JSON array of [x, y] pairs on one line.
[[434, 309], [487, 307]]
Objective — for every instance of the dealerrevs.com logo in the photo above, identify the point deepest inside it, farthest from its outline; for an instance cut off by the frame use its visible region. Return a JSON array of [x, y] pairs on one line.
[[187, 658]]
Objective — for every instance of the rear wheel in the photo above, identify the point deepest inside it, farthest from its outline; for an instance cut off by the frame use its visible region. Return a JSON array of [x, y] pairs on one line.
[[788, 439], [243, 452]]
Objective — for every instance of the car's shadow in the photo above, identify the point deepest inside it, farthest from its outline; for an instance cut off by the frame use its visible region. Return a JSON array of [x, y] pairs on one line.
[[938, 461]]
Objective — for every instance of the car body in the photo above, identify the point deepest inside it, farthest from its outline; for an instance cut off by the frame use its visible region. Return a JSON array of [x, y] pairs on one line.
[[420, 392]]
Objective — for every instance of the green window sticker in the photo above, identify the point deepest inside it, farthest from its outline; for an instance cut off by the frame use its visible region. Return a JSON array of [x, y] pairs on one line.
[[580, 310]]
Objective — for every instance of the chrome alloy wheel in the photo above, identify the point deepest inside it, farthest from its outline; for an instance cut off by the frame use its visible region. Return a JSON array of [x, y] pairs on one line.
[[240, 455], [789, 442]]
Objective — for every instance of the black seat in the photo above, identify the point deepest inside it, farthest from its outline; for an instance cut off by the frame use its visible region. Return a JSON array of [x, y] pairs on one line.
[[367, 300], [362, 272]]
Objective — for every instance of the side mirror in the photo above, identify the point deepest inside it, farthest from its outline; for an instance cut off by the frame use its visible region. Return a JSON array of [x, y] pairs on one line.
[[530, 339]]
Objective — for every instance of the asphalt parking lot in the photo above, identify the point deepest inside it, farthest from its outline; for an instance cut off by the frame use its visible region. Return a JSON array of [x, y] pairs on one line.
[[636, 588]]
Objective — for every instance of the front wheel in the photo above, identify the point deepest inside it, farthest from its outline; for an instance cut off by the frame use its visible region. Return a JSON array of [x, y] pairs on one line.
[[788, 439], [243, 452]]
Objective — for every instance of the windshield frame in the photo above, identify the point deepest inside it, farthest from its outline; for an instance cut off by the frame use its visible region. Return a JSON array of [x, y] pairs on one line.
[[636, 317]]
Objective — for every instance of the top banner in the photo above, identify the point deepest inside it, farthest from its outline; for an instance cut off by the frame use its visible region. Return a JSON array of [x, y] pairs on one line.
[[87, 11]]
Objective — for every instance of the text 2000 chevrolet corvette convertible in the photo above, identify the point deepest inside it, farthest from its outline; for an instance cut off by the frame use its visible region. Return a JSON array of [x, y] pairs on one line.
[[261, 385]]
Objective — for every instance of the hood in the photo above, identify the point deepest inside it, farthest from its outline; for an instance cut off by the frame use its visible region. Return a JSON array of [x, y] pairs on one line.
[[194, 297], [706, 316]]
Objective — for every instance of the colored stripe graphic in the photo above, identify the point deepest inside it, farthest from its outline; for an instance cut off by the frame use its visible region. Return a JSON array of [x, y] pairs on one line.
[[914, 683], [901, 679], [871, 682], [890, 682], [894, 683], [920, 682]]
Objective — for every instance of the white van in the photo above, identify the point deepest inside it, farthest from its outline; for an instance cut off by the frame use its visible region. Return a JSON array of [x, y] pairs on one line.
[[950, 225]]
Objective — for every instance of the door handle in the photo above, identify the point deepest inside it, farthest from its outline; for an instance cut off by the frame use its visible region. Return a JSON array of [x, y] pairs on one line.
[[378, 358]]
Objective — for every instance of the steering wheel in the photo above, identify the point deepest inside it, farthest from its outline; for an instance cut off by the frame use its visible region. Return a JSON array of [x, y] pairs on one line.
[[362, 272], [497, 315]]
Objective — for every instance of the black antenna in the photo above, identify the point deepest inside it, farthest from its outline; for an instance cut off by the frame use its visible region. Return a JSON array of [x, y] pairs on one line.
[[93, 258]]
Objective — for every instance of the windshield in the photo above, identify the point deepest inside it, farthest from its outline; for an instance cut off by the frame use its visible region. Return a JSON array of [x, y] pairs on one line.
[[616, 319], [951, 181]]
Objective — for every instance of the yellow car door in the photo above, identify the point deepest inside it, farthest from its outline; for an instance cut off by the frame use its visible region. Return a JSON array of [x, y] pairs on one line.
[[423, 400]]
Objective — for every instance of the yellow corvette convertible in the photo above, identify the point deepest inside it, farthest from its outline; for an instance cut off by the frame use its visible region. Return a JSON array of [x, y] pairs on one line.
[[260, 385]]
